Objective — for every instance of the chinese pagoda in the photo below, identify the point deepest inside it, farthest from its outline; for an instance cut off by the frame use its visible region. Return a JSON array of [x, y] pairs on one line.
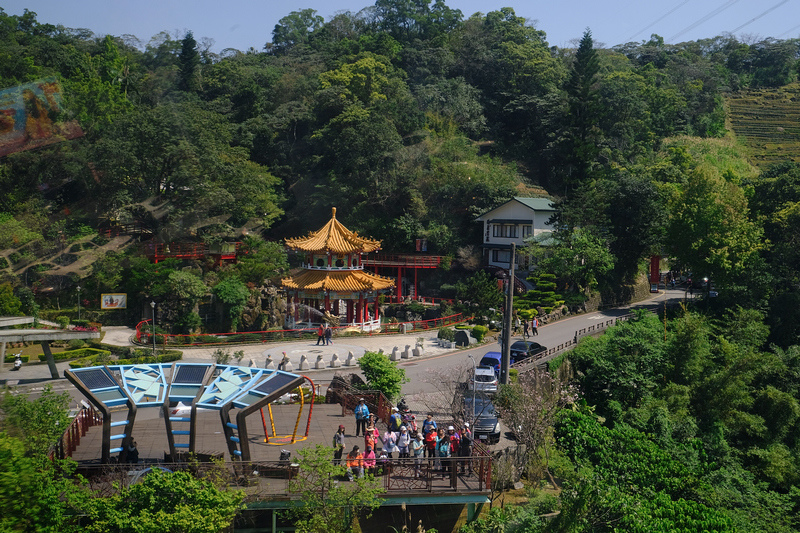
[[332, 273]]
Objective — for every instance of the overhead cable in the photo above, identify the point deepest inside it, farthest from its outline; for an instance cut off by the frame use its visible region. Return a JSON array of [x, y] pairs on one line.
[[705, 18], [773, 8], [670, 12]]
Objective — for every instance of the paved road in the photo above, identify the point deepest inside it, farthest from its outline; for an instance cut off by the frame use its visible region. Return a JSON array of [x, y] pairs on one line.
[[423, 372]]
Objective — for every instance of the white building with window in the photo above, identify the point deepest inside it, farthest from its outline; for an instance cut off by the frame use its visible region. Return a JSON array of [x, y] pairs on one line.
[[513, 222]]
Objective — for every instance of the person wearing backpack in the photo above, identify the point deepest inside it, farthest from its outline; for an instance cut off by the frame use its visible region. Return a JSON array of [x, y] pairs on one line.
[[395, 421], [443, 451]]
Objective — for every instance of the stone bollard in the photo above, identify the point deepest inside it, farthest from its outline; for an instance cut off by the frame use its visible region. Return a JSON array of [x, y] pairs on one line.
[[286, 364], [335, 362], [252, 363], [320, 364], [270, 364], [407, 352], [416, 352], [304, 362], [395, 354], [351, 359]]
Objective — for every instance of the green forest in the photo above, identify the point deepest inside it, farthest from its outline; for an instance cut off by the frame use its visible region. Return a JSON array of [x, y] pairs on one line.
[[412, 120]]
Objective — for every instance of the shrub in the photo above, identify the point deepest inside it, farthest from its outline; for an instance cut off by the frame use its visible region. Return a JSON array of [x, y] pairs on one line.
[[382, 374], [141, 357], [81, 353], [224, 357], [447, 334], [479, 332], [81, 323], [75, 344], [10, 358], [416, 308], [63, 321], [166, 357]]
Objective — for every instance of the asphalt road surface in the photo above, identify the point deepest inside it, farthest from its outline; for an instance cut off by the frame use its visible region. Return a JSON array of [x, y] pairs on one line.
[[424, 374]]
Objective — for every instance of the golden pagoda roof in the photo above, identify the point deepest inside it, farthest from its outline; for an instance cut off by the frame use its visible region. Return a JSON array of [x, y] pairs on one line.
[[335, 238], [337, 281]]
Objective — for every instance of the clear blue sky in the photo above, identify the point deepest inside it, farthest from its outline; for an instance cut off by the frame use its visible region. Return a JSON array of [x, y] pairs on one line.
[[242, 24]]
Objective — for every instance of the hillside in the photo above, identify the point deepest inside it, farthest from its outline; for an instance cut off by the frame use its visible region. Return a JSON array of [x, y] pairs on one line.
[[768, 120]]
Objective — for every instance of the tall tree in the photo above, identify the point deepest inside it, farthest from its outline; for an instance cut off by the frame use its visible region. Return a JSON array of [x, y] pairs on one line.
[[710, 230], [294, 29], [189, 79], [584, 112]]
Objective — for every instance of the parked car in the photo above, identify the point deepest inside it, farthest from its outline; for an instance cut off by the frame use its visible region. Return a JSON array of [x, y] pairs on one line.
[[521, 350], [492, 359], [484, 380], [486, 427]]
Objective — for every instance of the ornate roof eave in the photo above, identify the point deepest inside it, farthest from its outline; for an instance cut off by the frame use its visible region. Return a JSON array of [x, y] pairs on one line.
[[338, 281], [335, 238]]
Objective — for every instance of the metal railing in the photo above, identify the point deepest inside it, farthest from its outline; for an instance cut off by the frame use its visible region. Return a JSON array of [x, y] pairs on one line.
[[405, 261], [263, 479], [69, 441]]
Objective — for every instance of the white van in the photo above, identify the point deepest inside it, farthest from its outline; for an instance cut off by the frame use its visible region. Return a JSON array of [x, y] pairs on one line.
[[484, 380]]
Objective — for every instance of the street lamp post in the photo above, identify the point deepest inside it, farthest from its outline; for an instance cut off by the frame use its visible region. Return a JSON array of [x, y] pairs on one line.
[[474, 386], [153, 329], [79, 301]]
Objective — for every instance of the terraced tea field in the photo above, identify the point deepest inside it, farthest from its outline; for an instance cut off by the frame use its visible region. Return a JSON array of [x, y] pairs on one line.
[[768, 120]]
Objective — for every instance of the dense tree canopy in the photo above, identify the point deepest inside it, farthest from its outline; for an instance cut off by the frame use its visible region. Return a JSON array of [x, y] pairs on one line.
[[414, 119]]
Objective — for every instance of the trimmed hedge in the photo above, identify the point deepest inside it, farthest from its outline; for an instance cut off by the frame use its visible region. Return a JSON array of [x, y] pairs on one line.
[[479, 332], [76, 354], [10, 358], [167, 357]]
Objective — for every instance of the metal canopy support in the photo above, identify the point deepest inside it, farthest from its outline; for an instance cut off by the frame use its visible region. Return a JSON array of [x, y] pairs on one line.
[[250, 401], [51, 363], [103, 390]]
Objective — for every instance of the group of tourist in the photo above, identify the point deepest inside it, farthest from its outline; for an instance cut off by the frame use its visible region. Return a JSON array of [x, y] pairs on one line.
[[407, 440], [527, 326], [324, 334]]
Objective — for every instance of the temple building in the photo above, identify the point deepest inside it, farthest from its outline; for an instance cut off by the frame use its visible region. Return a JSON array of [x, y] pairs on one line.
[[333, 278]]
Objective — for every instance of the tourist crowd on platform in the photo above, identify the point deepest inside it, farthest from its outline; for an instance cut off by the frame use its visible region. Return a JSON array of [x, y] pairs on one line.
[[449, 447]]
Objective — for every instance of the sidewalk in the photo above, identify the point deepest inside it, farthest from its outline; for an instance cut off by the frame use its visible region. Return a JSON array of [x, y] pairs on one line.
[[257, 354]]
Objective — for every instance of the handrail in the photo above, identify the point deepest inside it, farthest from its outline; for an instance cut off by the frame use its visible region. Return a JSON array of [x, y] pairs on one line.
[[422, 261], [271, 478], [71, 438]]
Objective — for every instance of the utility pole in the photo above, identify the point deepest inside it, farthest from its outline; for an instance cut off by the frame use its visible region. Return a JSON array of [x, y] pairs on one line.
[[505, 361]]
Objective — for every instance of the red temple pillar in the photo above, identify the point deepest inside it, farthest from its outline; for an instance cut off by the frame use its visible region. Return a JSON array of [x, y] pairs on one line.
[[327, 301], [399, 284]]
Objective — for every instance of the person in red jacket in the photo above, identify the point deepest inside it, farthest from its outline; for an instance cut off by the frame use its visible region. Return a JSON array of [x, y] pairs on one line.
[[430, 444]]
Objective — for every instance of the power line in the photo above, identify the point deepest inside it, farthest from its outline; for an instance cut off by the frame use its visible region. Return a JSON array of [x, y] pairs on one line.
[[790, 30], [670, 12], [705, 18], [773, 8]]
